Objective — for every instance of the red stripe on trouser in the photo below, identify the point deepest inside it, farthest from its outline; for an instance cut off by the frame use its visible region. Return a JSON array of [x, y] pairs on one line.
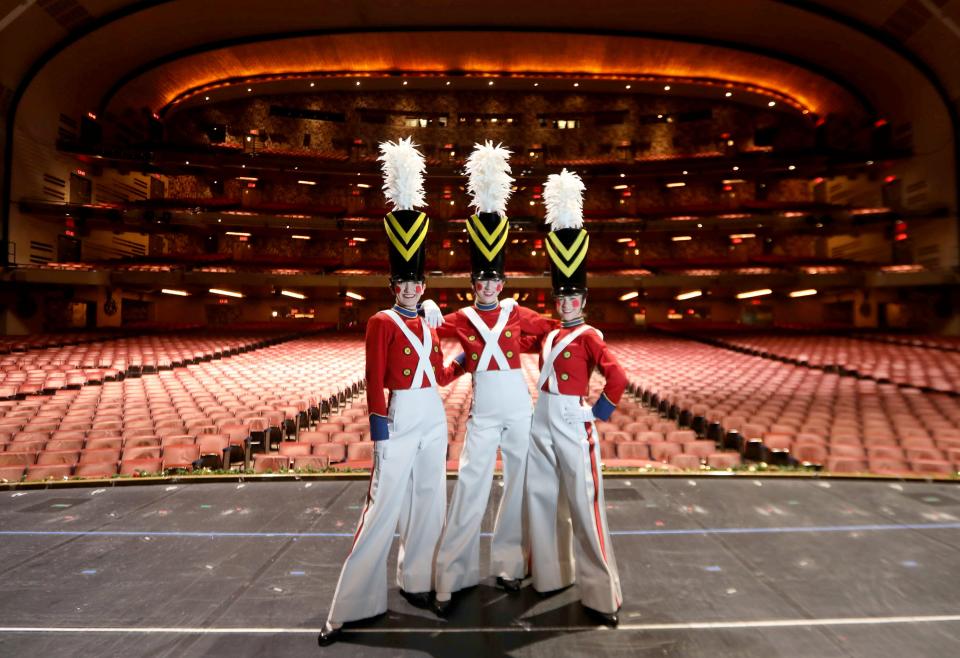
[[596, 490], [366, 506], [596, 498]]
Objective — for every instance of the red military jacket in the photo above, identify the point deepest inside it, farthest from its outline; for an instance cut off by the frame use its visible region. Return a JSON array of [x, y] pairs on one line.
[[576, 362], [523, 330], [392, 360]]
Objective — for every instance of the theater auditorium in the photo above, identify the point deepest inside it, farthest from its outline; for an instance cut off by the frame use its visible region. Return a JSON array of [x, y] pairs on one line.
[[197, 232]]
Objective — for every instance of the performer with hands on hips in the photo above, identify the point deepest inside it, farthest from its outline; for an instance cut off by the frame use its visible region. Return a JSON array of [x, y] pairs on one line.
[[563, 468]]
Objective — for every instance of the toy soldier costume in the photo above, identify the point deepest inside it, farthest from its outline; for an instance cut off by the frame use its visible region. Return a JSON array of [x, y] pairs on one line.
[[492, 334], [408, 481], [564, 460]]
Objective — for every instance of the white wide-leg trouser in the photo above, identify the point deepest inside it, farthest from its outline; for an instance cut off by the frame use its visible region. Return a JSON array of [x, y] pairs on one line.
[[407, 489], [563, 468], [500, 418]]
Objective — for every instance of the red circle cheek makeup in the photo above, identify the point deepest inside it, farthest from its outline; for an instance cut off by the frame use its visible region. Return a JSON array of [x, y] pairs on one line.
[[419, 290]]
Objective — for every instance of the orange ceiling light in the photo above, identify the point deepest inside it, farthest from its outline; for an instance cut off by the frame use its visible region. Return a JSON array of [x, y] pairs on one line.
[[519, 55], [767, 92]]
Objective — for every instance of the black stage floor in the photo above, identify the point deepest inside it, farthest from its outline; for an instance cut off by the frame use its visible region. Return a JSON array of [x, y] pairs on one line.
[[709, 567]]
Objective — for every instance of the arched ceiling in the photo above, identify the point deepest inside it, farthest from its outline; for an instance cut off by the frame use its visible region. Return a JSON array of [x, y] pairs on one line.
[[585, 58], [88, 46]]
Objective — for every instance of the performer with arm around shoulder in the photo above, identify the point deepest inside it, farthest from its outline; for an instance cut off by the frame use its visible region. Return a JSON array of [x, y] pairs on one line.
[[492, 335]]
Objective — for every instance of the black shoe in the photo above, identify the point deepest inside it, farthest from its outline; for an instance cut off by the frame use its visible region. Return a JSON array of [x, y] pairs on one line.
[[417, 599], [442, 608], [510, 584], [328, 636], [610, 619], [553, 592]]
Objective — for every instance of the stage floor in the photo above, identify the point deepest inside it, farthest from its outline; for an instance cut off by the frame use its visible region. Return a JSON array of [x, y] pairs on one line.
[[712, 567]]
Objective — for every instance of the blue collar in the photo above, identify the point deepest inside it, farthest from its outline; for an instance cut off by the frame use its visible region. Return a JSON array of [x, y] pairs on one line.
[[405, 312], [485, 307], [566, 324]]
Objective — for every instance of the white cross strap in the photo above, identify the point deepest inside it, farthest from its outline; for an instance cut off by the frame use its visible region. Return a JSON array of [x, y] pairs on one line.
[[491, 338], [424, 367], [550, 354]]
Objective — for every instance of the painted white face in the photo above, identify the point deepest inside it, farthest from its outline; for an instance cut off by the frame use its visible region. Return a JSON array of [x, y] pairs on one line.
[[488, 290], [408, 293], [570, 307]]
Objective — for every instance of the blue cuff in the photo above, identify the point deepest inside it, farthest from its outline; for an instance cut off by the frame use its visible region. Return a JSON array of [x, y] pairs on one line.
[[379, 430], [461, 359], [603, 408]]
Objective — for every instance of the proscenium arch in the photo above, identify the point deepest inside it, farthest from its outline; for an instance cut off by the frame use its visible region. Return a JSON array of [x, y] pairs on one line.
[[871, 33]]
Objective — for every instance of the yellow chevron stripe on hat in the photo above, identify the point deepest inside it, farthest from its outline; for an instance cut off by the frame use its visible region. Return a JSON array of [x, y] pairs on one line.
[[564, 251], [491, 245], [568, 260], [489, 237], [406, 235], [405, 247]]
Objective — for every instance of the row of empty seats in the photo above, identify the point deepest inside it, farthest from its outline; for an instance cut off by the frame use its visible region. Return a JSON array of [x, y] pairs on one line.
[[769, 408], [911, 365], [73, 366], [690, 406], [635, 437], [265, 397], [10, 344], [950, 343]]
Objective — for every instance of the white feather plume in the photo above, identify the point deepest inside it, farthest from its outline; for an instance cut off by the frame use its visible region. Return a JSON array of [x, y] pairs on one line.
[[489, 179], [403, 167], [563, 196]]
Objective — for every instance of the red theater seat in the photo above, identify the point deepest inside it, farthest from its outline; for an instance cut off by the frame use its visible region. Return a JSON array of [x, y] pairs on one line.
[[141, 452], [454, 450], [650, 437], [346, 437], [334, 452], [937, 466], [99, 455], [11, 473], [63, 444], [663, 452], [66, 457], [140, 466], [685, 462], [701, 448], [104, 469], [314, 436], [311, 463], [722, 460], [682, 436], [812, 453], [180, 456], [295, 449], [360, 451], [633, 450], [55, 471], [213, 446]]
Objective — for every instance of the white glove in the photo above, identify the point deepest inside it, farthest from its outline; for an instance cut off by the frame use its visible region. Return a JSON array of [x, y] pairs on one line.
[[508, 303], [578, 415], [431, 313]]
